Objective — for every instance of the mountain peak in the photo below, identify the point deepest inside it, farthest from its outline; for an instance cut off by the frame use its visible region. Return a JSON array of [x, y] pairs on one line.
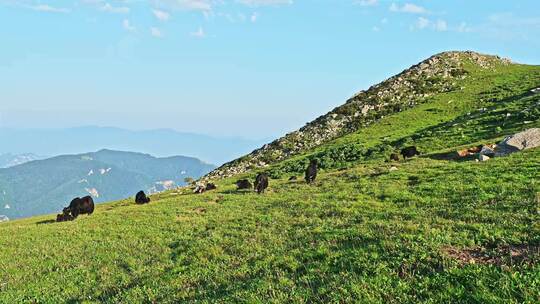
[[440, 73]]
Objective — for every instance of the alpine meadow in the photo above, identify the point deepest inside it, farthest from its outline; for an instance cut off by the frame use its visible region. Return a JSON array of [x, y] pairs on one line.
[[458, 223]]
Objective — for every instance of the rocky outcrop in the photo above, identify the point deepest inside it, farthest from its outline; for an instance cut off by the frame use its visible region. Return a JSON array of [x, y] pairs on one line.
[[527, 139], [438, 74], [3, 218]]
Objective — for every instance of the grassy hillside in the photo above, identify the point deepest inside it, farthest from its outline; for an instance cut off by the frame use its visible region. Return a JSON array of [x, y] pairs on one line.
[[462, 79], [434, 231]]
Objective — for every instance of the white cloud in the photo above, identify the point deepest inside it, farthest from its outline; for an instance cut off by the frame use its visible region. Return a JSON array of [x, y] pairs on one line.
[[265, 2], [254, 17], [161, 15], [107, 7], [154, 31], [422, 23], [367, 2], [127, 25], [376, 29], [408, 8], [227, 16], [196, 5], [199, 33], [441, 26], [508, 27], [48, 8], [463, 28], [384, 20]]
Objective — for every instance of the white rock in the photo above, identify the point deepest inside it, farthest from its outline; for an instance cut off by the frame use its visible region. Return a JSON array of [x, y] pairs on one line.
[[487, 151], [393, 168], [527, 139], [483, 158], [92, 191]]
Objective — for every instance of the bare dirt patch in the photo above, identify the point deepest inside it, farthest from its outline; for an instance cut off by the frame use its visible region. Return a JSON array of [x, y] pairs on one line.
[[501, 256]]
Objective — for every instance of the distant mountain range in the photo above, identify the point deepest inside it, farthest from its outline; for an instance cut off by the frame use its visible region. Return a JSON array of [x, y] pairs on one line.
[[161, 142], [45, 186], [10, 160]]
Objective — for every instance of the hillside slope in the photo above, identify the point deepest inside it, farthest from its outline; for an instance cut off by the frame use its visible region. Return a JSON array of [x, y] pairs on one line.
[[420, 84], [425, 230], [46, 186]]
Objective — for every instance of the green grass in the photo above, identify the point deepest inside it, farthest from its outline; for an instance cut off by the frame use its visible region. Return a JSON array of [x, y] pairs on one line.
[[362, 233]]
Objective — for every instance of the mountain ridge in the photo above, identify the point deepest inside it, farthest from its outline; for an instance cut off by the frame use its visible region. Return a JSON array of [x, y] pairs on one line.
[[160, 142], [44, 186], [437, 74]]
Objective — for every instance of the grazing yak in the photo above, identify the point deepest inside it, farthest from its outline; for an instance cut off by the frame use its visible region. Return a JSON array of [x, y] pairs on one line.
[[394, 157], [311, 171], [141, 198], [64, 217], [409, 152], [79, 206], [261, 182], [211, 186], [243, 184]]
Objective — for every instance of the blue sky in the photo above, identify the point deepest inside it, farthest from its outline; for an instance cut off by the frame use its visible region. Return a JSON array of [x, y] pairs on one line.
[[253, 68]]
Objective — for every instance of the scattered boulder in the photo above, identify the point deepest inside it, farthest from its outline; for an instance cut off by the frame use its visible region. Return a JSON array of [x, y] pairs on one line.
[[535, 91], [311, 171], [243, 184], [483, 158], [527, 139], [292, 178], [141, 198], [393, 168], [488, 150], [261, 183], [199, 188], [3, 218], [409, 152]]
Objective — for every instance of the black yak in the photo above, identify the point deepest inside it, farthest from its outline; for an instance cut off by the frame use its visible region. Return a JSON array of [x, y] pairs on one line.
[[394, 157], [210, 186], [64, 217], [261, 183], [79, 206], [409, 152], [243, 184], [141, 198], [311, 171]]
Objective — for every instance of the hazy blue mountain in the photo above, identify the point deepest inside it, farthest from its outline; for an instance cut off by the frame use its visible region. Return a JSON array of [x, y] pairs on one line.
[[45, 186], [9, 160], [161, 142]]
